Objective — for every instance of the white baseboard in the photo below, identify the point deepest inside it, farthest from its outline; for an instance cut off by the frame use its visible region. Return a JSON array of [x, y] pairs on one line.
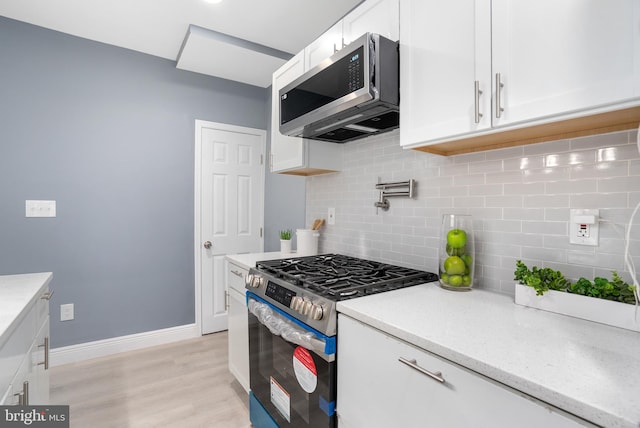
[[101, 348]]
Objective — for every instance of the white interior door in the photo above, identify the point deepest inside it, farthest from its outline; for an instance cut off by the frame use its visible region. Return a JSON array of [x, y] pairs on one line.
[[231, 209]]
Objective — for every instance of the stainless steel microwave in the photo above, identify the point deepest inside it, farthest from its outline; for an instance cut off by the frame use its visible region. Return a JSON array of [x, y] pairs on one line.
[[350, 95]]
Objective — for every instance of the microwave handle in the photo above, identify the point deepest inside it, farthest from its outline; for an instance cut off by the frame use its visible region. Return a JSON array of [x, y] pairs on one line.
[[289, 331]]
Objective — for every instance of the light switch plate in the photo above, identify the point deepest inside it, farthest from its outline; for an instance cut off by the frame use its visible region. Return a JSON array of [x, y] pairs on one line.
[[35, 208], [331, 216]]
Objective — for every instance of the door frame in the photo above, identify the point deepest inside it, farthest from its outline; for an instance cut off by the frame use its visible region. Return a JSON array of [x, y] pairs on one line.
[[197, 196]]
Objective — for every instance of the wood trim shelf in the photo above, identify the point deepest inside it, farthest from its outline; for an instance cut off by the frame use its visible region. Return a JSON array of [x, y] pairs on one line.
[[600, 123]]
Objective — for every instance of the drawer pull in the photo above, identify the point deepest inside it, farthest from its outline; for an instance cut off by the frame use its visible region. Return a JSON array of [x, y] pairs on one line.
[[45, 345], [413, 364], [477, 93], [499, 86], [47, 295], [237, 273]]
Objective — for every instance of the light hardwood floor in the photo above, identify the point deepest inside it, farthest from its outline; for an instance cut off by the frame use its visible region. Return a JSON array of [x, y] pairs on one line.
[[183, 384]]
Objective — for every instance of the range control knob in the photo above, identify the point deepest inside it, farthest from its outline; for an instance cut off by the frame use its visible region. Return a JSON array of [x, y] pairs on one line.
[[306, 307], [254, 281], [296, 303], [317, 312]]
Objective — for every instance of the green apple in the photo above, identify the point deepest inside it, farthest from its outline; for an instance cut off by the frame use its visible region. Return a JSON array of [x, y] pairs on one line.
[[466, 280], [454, 266], [444, 278], [455, 251], [455, 280], [457, 238], [467, 260]]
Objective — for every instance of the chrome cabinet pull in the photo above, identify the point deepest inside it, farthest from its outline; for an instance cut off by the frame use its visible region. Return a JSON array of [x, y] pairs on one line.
[[20, 396], [237, 273], [477, 93], [499, 86], [413, 364], [47, 295], [45, 363], [25, 390], [226, 300]]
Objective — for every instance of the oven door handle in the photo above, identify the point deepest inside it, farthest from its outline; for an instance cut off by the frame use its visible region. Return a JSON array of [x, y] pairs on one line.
[[289, 331]]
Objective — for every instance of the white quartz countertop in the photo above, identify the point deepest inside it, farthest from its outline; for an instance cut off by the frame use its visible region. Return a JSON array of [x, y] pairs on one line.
[[249, 260], [588, 369], [16, 293]]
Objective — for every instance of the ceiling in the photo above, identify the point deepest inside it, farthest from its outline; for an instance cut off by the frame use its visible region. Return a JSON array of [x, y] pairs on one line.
[[243, 40]]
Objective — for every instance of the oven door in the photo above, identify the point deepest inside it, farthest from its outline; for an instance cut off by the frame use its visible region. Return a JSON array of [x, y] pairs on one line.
[[292, 370]]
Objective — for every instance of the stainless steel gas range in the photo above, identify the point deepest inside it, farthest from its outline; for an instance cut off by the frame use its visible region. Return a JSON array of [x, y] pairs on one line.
[[293, 330]]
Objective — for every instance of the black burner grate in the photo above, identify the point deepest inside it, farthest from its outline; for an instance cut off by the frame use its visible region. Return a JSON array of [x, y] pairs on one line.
[[339, 277]]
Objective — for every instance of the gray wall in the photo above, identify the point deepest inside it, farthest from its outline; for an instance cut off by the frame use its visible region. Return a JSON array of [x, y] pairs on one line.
[[109, 134]]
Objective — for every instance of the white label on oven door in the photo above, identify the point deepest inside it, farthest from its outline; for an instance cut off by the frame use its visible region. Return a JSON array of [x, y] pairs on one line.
[[305, 369], [281, 399]]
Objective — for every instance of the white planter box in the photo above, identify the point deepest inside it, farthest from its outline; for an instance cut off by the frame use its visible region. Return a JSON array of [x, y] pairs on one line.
[[603, 311]]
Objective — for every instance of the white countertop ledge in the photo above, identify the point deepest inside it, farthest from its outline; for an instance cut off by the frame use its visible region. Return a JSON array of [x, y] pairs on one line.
[[588, 369], [16, 293]]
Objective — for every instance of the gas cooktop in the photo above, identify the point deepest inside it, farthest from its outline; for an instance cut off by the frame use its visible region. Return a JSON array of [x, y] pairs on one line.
[[338, 277]]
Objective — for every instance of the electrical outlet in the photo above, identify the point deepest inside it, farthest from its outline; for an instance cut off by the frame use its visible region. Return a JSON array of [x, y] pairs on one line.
[[331, 216], [584, 226], [66, 312]]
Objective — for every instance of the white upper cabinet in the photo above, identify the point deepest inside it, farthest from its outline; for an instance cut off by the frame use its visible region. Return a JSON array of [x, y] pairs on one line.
[[299, 156], [372, 16], [286, 152], [444, 49], [490, 73], [557, 57], [324, 46]]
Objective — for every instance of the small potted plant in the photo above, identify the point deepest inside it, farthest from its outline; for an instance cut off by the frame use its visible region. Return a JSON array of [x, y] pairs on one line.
[[285, 241]]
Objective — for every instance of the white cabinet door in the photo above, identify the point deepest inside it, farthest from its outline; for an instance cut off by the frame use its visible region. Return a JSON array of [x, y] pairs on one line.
[[39, 385], [559, 57], [238, 325], [286, 152], [445, 47], [323, 47], [372, 16], [369, 371]]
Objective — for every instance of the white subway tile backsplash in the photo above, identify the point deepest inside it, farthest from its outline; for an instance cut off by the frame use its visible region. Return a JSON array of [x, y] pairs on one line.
[[571, 186], [552, 147], [545, 227], [546, 201], [519, 198], [523, 213], [599, 141], [602, 169], [599, 200], [528, 162], [523, 188], [504, 177], [618, 184], [545, 174]]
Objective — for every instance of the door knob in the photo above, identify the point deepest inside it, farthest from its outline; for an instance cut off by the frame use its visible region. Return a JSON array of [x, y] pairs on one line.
[[207, 244]]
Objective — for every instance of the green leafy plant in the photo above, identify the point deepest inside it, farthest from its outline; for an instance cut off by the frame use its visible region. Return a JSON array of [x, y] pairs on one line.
[[285, 235], [541, 280], [546, 279]]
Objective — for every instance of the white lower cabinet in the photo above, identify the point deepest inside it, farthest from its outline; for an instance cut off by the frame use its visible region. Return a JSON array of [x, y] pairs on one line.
[[24, 357], [238, 325], [376, 389]]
